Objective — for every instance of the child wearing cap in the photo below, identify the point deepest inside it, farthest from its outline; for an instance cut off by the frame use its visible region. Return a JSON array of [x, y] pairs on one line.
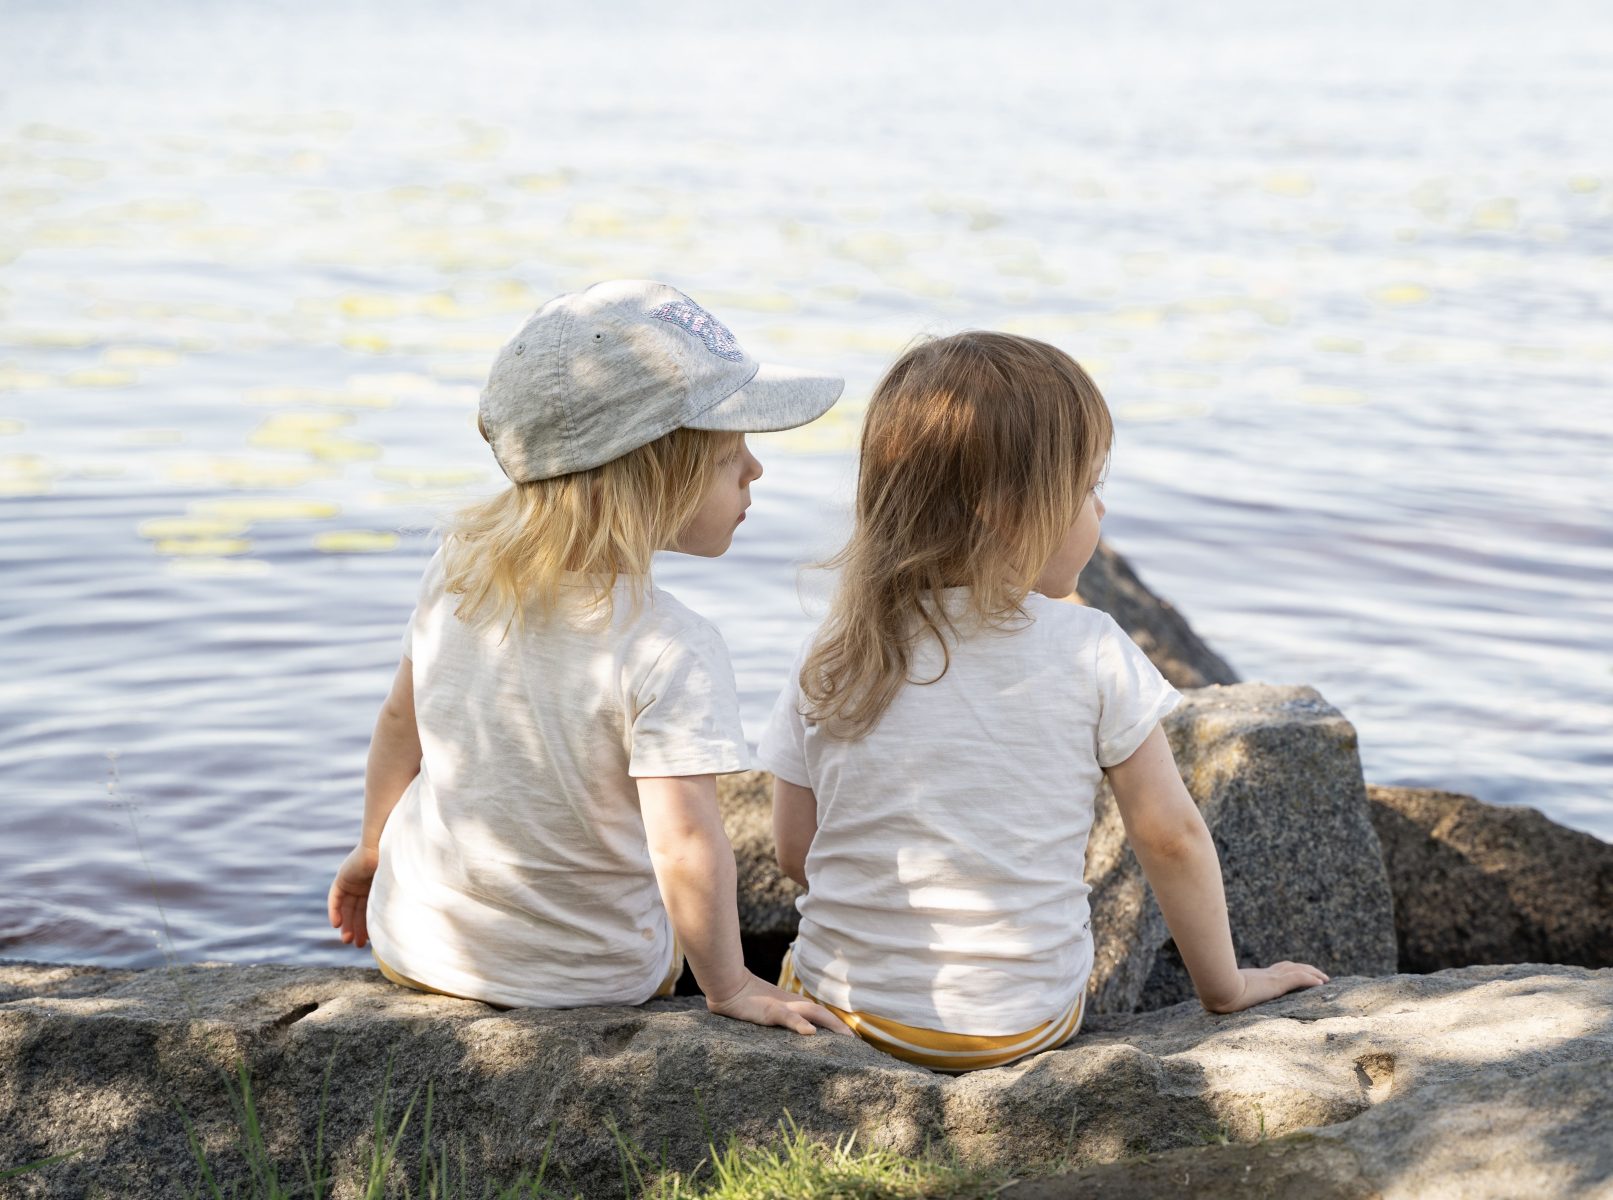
[[540, 819]]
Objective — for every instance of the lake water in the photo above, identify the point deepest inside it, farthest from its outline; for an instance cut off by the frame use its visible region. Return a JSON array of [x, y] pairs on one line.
[[1346, 279]]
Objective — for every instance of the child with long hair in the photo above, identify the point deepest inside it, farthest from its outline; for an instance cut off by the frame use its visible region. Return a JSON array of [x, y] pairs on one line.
[[540, 814], [940, 741]]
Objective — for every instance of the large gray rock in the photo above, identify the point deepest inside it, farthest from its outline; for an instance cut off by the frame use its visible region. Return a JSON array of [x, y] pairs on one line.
[[1468, 1076], [1483, 883], [1276, 772], [1109, 583]]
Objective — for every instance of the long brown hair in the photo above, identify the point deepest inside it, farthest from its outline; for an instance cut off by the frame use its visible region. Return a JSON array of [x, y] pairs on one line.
[[508, 557], [978, 451]]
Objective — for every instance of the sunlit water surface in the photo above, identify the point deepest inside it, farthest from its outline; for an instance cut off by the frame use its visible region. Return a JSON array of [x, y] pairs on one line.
[[1347, 284]]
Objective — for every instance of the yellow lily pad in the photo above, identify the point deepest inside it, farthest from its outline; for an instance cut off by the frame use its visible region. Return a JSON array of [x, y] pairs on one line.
[[369, 343], [297, 431], [245, 473], [55, 339], [1289, 183], [355, 541], [13, 379], [370, 306], [139, 356], [1136, 318], [25, 466], [26, 475], [1402, 293], [190, 527], [40, 131], [253, 509], [210, 547], [99, 377], [1162, 410], [167, 211], [1497, 216], [339, 449]]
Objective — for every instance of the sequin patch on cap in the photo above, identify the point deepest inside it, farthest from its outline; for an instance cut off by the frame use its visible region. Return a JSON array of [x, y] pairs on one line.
[[703, 325]]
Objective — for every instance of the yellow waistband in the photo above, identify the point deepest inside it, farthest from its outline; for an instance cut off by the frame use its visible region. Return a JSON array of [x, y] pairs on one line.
[[941, 1051]]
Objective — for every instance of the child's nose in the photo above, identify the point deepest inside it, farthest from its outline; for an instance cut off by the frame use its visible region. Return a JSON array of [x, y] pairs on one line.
[[753, 467], [1100, 506]]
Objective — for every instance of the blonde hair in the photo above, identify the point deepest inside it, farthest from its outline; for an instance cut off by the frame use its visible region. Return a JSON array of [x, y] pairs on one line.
[[978, 451], [508, 557]]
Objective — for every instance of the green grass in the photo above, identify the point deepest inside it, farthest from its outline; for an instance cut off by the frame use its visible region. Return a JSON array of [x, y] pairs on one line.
[[795, 1167], [792, 1167]]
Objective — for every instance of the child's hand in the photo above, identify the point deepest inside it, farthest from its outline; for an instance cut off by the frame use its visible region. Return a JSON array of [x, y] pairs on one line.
[[350, 894], [761, 1003], [1267, 983]]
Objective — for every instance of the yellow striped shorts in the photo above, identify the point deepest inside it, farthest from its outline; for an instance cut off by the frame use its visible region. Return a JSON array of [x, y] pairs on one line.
[[953, 1053]]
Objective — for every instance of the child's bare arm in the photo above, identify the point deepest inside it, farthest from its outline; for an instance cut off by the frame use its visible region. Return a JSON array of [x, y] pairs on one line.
[[1178, 857], [694, 862], [795, 824], [394, 761]]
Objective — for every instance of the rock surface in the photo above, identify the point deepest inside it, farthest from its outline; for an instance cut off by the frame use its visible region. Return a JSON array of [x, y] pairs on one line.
[[1484, 883], [1276, 771], [1453, 1081], [1489, 1137], [1109, 583], [1277, 775]]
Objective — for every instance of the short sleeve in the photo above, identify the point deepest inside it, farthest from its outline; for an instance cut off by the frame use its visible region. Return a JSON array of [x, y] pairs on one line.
[[783, 747], [1132, 695], [687, 711], [429, 586]]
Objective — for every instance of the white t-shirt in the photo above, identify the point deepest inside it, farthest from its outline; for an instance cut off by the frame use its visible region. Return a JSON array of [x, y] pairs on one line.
[[945, 878], [515, 868]]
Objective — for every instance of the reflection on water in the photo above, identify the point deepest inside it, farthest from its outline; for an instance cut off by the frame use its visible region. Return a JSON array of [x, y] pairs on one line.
[[1347, 286]]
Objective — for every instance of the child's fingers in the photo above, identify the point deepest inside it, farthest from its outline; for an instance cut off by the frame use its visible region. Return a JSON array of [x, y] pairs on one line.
[[805, 1017], [1298, 975], [353, 919], [347, 915], [824, 1019]]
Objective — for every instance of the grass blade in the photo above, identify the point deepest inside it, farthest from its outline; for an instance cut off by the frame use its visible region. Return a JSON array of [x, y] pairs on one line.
[[25, 1168]]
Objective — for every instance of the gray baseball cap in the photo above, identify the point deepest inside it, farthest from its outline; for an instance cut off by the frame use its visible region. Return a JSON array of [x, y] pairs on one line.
[[594, 374]]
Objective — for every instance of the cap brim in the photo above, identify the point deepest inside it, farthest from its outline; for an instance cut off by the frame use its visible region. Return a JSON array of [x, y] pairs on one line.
[[775, 398]]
